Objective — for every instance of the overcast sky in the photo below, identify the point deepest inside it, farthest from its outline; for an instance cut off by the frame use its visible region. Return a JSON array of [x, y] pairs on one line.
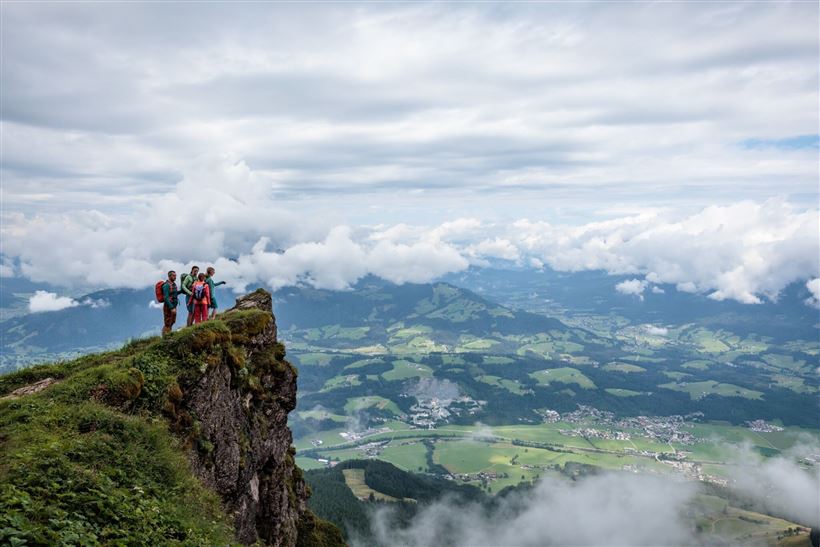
[[415, 139]]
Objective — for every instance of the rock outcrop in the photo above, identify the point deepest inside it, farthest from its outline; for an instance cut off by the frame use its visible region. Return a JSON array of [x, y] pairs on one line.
[[177, 440], [240, 444]]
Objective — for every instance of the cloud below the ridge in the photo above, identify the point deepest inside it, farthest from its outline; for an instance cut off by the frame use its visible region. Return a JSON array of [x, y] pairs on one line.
[[612, 508], [779, 484]]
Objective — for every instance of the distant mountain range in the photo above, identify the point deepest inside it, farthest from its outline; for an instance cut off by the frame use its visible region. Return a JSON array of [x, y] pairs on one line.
[[563, 294], [478, 310], [373, 313]]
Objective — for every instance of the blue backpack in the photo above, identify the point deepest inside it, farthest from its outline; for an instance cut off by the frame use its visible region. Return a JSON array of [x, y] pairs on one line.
[[199, 292]]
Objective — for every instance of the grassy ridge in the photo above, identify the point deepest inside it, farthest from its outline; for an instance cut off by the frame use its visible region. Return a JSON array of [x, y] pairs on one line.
[[80, 468], [99, 457]]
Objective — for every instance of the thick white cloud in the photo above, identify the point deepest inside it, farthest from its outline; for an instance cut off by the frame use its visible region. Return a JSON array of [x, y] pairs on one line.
[[635, 287], [48, 301], [656, 331], [223, 213], [743, 251], [495, 248], [814, 289]]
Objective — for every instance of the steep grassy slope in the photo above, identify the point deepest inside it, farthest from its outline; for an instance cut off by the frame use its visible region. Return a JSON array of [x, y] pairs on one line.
[[181, 440]]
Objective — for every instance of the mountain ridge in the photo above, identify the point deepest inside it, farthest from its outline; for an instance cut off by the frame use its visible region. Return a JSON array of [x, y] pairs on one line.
[[180, 439], [126, 314]]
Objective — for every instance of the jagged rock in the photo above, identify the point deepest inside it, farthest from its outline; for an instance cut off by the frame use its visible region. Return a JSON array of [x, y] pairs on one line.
[[243, 446]]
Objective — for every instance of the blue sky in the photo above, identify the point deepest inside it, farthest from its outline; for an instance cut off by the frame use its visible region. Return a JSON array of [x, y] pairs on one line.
[[789, 143], [374, 116]]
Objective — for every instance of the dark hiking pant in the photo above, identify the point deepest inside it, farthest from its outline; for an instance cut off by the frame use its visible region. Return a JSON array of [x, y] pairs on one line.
[[169, 316]]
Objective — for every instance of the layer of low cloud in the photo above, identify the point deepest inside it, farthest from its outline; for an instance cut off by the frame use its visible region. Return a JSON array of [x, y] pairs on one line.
[[814, 288], [634, 287], [222, 213], [656, 331], [779, 484], [42, 301], [746, 251], [611, 508]]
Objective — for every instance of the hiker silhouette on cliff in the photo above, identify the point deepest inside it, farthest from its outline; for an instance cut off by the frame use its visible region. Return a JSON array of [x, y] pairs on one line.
[[167, 293], [201, 298], [212, 288], [187, 283]]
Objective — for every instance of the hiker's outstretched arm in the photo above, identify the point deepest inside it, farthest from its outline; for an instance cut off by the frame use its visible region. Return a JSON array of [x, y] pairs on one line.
[[220, 283]]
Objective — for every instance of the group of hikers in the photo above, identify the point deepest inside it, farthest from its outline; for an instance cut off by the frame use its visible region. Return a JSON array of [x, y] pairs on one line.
[[200, 298]]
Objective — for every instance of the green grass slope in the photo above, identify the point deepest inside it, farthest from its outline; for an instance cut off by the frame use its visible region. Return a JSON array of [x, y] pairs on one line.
[[98, 458]]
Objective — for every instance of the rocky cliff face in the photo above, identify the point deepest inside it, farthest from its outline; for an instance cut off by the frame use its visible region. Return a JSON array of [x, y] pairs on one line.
[[177, 440], [239, 442]]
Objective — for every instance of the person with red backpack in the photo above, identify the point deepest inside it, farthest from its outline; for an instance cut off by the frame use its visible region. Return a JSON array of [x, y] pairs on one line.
[[201, 298], [167, 294]]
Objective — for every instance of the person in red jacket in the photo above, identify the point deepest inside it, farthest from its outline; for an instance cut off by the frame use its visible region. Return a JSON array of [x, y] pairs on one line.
[[201, 297]]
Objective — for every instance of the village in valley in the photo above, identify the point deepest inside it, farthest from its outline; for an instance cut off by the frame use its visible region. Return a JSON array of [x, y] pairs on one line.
[[648, 444]]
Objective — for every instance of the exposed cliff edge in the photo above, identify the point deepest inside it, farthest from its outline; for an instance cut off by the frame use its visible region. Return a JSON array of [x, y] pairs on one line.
[[181, 440]]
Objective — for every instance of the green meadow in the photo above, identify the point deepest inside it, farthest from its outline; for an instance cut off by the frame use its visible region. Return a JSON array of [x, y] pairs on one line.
[[403, 369], [623, 367], [698, 390], [564, 375]]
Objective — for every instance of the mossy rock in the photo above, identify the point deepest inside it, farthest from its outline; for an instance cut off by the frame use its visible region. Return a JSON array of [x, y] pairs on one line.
[[315, 532], [245, 324], [124, 386], [236, 357], [192, 340]]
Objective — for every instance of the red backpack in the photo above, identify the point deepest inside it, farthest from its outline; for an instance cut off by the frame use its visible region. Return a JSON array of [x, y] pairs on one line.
[[158, 290]]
